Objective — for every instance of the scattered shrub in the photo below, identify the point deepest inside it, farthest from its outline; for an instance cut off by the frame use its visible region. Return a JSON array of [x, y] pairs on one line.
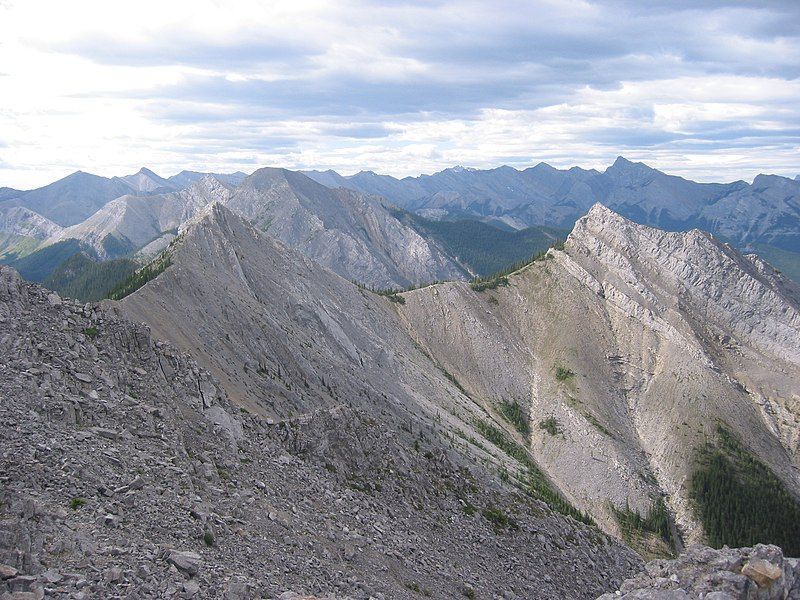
[[563, 374], [550, 425], [76, 503], [656, 521], [536, 484], [597, 424], [515, 415], [480, 284], [498, 518], [90, 332]]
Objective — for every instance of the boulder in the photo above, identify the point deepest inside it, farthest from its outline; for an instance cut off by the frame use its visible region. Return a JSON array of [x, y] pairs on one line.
[[764, 573], [188, 562]]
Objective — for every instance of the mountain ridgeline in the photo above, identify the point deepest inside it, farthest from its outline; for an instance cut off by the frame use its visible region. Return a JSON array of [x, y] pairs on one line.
[[763, 216], [242, 396], [392, 233]]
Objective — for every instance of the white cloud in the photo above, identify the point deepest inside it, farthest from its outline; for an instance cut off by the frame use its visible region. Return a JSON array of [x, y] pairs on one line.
[[401, 88]]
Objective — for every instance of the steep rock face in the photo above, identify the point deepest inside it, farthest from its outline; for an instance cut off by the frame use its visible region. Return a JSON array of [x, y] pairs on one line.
[[282, 332], [21, 221], [350, 233], [131, 222], [636, 341]]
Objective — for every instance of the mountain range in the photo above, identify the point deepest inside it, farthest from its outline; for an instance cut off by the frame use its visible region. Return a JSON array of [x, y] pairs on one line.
[[260, 397], [763, 216], [382, 231], [360, 236]]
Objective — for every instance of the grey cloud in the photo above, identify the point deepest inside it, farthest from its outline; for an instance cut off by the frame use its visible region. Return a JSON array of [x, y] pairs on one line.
[[516, 55]]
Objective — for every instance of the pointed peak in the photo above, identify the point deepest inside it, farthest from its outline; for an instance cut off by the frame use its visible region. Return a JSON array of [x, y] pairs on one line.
[[206, 182], [599, 217], [541, 167], [267, 173], [207, 179], [79, 175], [601, 211], [623, 166], [212, 213], [145, 172]]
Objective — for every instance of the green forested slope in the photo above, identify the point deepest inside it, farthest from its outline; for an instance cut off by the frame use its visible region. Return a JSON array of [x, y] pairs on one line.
[[483, 248]]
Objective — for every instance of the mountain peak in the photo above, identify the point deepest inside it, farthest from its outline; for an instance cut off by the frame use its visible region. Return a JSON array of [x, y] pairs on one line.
[[542, 166], [767, 179], [601, 211], [213, 215], [626, 168], [459, 169], [77, 175], [602, 221], [208, 179]]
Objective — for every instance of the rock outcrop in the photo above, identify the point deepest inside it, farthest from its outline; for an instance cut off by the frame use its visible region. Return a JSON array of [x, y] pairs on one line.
[[704, 573]]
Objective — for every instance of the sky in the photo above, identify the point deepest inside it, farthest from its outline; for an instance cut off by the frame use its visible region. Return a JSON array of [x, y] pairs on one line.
[[706, 90]]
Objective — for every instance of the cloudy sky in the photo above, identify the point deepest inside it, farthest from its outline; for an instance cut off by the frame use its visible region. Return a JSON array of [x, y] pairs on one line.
[[710, 93]]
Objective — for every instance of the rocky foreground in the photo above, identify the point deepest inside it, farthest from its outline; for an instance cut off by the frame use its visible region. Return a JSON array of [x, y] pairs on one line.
[[760, 573]]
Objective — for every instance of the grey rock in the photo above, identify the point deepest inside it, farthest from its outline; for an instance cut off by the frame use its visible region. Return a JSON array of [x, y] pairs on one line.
[[188, 562], [54, 299], [7, 572], [726, 574]]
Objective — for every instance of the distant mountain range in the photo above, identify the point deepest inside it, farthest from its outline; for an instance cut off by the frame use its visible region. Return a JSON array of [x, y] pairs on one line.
[[386, 232], [361, 237], [76, 197], [762, 216]]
